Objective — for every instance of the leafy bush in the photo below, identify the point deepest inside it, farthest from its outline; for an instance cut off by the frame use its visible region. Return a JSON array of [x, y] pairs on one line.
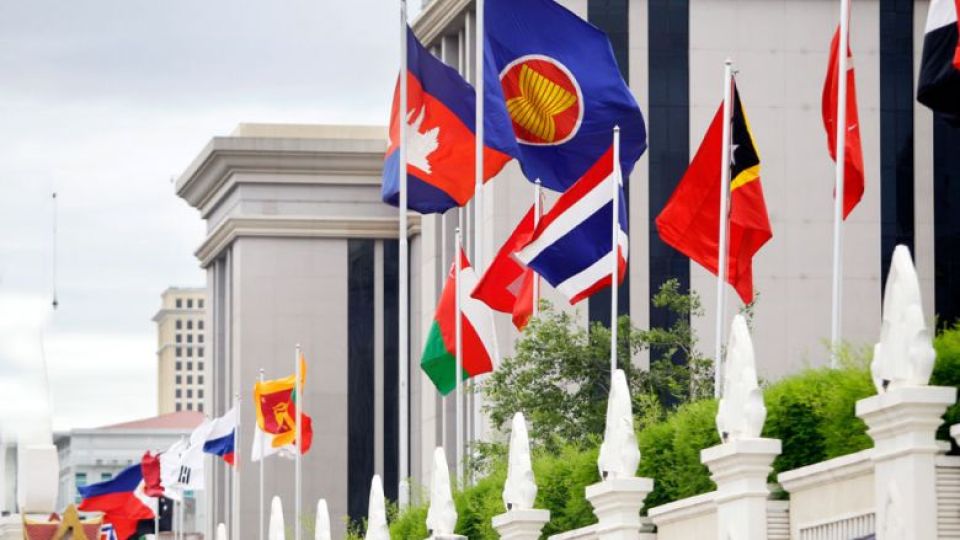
[[947, 373]]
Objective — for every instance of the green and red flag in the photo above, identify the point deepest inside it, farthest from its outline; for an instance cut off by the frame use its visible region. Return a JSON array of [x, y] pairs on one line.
[[479, 339]]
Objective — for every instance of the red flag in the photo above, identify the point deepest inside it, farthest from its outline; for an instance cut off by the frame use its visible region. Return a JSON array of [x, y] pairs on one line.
[[691, 220], [853, 155], [504, 285], [956, 55], [150, 467]]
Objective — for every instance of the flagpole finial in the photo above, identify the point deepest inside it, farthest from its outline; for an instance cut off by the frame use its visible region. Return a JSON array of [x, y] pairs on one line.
[[537, 182], [728, 62], [616, 128]]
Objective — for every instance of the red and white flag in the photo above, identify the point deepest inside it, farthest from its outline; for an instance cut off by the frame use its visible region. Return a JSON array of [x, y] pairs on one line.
[[507, 285], [853, 183]]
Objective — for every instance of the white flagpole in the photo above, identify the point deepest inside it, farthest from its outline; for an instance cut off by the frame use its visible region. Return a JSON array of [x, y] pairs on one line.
[[724, 217], [459, 357], [614, 251], [156, 519], [537, 209], [478, 252], [298, 486], [841, 126], [404, 293], [259, 435], [177, 523]]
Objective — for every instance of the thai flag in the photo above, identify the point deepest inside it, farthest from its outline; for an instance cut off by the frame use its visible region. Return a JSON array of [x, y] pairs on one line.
[[572, 245], [220, 439], [121, 499]]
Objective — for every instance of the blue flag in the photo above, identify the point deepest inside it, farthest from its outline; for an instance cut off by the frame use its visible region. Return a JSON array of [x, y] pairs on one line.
[[556, 78]]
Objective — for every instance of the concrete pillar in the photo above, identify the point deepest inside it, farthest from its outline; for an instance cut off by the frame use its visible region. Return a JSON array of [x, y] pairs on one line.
[[617, 503], [521, 524], [903, 423], [740, 469]]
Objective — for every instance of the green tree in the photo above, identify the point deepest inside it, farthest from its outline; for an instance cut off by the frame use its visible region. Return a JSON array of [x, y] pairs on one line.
[[560, 373]]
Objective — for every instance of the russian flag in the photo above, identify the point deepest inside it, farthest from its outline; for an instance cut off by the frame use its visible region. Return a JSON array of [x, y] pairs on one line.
[[440, 119], [572, 245], [220, 439], [121, 499]]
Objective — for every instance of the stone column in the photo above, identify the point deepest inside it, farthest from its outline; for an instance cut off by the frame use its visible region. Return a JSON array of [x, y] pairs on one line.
[[617, 503], [740, 469], [521, 524], [903, 423]]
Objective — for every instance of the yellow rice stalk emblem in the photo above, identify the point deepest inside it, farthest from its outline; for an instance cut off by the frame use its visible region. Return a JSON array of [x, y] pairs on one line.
[[540, 100]]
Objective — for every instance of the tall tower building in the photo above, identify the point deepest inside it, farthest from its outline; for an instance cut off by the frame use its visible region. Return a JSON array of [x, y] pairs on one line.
[[181, 350]]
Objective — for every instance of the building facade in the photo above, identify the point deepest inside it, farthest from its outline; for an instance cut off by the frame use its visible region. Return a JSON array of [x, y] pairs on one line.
[[182, 350], [88, 456]]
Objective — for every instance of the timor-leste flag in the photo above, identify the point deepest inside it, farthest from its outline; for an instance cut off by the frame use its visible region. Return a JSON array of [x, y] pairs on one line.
[[691, 220], [478, 337], [276, 404], [939, 84], [853, 182], [507, 285]]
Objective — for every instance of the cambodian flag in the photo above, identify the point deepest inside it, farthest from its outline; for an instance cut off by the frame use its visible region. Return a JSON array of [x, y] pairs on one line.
[[121, 499], [440, 120], [220, 439], [572, 245], [554, 76]]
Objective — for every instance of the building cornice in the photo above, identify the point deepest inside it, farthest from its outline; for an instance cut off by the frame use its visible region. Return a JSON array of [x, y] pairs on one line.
[[345, 161], [437, 16], [299, 227]]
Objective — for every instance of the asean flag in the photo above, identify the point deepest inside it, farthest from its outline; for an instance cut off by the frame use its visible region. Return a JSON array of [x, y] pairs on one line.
[[554, 76], [440, 119]]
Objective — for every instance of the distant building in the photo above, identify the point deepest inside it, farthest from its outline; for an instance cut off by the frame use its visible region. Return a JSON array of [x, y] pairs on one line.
[[88, 456], [181, 350]]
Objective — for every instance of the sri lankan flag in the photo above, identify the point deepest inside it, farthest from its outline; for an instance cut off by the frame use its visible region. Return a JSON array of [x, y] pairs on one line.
[[276, 403], [691, 220]]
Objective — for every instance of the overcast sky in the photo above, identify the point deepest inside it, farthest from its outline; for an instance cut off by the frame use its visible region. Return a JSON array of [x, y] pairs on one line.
[[105, 102]]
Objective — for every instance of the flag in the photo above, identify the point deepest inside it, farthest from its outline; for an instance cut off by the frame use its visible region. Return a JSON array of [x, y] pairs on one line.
[[555, 77], [150, 467], [170, 461], [572, 246], [220, 437], [504, 285], [276, 407], [939, 84], [121, 499], [478, 338], [440, 121], [853, 155], [690, 222]]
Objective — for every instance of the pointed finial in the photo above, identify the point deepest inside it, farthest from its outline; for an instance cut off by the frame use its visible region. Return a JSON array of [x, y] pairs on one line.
[[275, 530], [619, 453], [442, 514], [741, 412], [377, 512], [904, 356], [322, 528], [520, 489]]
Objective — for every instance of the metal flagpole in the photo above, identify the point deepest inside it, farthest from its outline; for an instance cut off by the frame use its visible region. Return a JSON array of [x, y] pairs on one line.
[[404, 293], [459, 357], [176, 523], [615, 251], [537, 209], [298, 486], [724, 217], [260, 434], [841, 126], [156, 518], [236, 468], [478, 205]]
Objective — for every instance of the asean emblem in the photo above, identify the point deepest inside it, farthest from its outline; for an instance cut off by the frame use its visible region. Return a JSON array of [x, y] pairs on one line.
[[543, 99]]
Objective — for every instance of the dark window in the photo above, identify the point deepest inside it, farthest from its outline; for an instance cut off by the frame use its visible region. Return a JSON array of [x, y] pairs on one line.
[[189, 325], [189, 393], [189, 366], [81, 478], [179, 324], [179, 381], [179, 363], [190, 303], [200, 407], [189, 381], [179, 407], [199, 379], [180, 305], [199, 351], [199, 366], [179, 393], [189, 338], [189, 406], [200, 323], [200, 393], [179, 338], [199, 338], [200, 305], [105, 476], [189, 351], [179, 351]]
